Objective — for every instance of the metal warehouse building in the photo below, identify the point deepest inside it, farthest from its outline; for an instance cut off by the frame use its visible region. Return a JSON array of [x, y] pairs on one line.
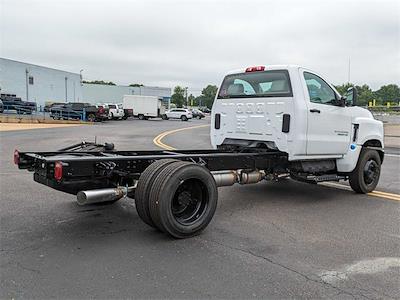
[[98, 93], [39, 84], [42, 84]]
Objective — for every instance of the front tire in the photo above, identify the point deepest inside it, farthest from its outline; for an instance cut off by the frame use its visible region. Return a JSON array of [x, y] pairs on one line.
[[365, 176], [184, 118], [141, 117]]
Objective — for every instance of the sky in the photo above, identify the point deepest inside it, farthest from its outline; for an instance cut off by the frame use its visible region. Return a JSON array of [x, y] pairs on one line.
[[194, 43]]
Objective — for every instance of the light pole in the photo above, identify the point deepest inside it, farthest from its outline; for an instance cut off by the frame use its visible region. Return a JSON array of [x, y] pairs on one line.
[[27, 84], [80, 75], [66, 89]]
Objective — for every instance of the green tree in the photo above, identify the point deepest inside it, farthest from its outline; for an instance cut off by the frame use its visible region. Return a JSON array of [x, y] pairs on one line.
[[388, 93], [343, 88], [364, 94], [99, 82], [178, 97], [199, 101], [208, 94]]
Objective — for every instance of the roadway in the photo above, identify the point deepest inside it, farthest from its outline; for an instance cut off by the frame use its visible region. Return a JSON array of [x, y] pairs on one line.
[[268, 240]]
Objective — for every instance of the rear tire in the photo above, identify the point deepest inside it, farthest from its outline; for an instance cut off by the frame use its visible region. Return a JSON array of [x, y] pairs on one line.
[[143, 188], [164, 117], [184, 118], [141, 117], [365, 176], [183, 199]]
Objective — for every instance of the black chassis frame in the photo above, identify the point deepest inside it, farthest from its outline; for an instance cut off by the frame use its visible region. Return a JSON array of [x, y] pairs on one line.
[[89, 166]]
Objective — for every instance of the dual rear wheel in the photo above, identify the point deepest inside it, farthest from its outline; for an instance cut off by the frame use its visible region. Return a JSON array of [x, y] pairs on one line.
[[176, 197]]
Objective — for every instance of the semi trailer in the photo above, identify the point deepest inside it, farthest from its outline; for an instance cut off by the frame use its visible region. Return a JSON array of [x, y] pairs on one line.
[[268, 123]]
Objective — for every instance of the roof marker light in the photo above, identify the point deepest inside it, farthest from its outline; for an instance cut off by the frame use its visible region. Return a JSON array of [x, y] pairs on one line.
[[255, 69]]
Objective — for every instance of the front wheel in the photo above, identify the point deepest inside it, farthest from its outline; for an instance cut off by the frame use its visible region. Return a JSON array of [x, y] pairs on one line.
[[141, 117], [365, 176], [184, 118], [164, 117]]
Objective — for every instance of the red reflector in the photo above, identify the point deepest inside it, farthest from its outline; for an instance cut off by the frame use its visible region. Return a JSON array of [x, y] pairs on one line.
[[58, 171], [255, 69], [16, 157]]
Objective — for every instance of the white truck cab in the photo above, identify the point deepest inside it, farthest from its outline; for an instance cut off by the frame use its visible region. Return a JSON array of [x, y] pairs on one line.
[[296, 111], [115, 111]]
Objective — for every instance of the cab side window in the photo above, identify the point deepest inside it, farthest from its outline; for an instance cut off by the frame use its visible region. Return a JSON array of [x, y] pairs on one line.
[[318, 90]]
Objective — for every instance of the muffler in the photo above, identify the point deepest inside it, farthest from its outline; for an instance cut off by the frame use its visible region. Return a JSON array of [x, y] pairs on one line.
[[230, 177], [101, 195]]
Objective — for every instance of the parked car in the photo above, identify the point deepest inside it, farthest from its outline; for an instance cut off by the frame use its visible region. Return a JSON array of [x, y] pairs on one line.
[[114, 112], [82, 111], [12, 102], [198, 114], [205, 110], [178, 113], [105, 115], [1, 106], [48, 106]]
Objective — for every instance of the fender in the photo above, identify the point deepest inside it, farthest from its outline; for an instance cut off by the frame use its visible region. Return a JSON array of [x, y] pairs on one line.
[[367, 133], [368, 129]]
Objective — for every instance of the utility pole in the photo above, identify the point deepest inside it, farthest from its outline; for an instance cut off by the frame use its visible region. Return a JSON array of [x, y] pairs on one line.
[[186, 96]]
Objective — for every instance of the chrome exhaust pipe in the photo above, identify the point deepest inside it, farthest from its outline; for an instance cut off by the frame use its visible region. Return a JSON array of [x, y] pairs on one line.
[[102, 195]]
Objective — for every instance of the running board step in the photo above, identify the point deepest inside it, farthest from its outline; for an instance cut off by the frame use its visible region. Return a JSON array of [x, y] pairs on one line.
[[322, 178]]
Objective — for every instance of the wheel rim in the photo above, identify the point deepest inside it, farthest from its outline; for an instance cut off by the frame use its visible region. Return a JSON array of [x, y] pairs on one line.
[[190, 201], [371, 172]]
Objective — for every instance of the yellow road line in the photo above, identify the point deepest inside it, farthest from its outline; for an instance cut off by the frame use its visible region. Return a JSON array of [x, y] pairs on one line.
[[395, 197], [158, 141]]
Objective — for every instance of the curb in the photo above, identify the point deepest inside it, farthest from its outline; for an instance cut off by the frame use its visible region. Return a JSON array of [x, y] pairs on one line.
[[7, 119]]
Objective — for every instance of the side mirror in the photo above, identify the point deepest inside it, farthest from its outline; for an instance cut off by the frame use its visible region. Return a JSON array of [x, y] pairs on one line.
[[351, 96]]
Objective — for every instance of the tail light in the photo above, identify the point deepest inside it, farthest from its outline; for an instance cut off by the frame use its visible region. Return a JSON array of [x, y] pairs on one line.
[[255, 69], [58, 171], [16, 157]]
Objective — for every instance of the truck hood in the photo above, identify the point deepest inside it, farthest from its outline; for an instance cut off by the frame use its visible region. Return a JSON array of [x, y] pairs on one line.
[[359, 112]]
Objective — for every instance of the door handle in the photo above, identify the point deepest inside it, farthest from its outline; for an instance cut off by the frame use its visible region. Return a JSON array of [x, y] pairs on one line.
[[314, 110]]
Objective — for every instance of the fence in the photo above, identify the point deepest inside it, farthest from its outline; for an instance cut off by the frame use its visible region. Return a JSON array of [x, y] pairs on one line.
[[34, 113]]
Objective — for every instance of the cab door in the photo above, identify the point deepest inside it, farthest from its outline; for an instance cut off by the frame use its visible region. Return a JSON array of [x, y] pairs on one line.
[[328, 125]]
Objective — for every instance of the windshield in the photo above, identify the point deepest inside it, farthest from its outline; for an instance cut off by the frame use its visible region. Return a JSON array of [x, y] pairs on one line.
[[256, 84], [112, 106]]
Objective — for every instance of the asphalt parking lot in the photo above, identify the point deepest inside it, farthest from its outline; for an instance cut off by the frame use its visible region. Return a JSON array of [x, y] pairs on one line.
[[268, 240]]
